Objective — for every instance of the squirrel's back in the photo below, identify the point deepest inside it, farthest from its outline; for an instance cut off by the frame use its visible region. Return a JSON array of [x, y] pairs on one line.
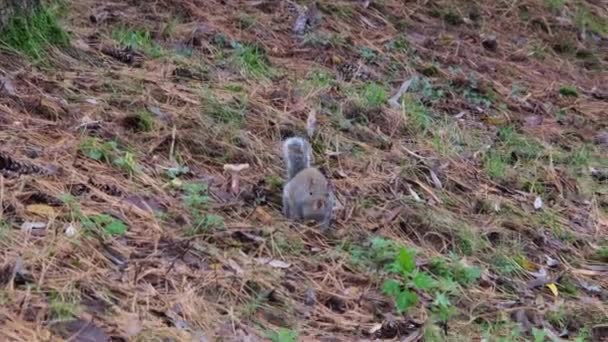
[[307, 194], [297, 154]]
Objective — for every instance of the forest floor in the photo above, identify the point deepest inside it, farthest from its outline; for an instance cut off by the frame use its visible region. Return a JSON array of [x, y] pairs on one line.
[[471, 207]]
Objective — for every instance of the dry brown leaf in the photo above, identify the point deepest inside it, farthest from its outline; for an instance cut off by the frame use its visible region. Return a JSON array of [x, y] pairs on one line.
[[41, 210]]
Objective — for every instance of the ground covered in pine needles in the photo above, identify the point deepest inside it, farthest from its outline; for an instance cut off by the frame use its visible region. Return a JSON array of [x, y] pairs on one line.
[[467, 142]]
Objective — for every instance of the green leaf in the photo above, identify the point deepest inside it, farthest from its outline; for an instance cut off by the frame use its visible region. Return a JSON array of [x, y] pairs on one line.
[[94, 154], [406, 261], [442, 300], [423, 281], [116, 227], [391, 287], [539, 335], [466, 275], [405, 300]]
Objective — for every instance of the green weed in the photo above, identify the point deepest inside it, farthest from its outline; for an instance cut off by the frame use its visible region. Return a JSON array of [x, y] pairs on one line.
[[427, 91], [410, 280], [555, 5], [5, 228], [175, 172], [419, 116], [374, 95], [282, 335], [495, 164], [138, 39], [320, 79], [602, 253], [104, 224], [110, 153], [63, 307], [323, 40], [568, 91], [196, 200], [142, 121], [252, 61], [378, 254], [368, 55], [588, 21], [31, 34], [398, 44]]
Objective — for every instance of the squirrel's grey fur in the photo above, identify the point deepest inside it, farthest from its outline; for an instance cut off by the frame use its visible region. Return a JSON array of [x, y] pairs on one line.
[[307, 194]]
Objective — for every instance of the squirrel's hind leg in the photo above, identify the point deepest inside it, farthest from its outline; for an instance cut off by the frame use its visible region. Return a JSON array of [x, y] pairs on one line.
[[286, 208]]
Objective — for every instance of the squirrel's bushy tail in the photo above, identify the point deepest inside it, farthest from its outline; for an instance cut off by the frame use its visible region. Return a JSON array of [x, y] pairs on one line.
[[297, 155]]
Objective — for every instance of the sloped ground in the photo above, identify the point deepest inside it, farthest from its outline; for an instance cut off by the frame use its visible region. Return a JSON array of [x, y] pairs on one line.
[[118, 219]]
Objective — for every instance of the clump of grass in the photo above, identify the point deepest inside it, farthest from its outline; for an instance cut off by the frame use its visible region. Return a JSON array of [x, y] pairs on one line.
[[63, 307], [319, 79], [374, 95], [142, 121], [589, 21], [252, 61], [323, 40], [419, 116], [568, 90], [230, 112], [138, 39], [555, 5], [32, 33]]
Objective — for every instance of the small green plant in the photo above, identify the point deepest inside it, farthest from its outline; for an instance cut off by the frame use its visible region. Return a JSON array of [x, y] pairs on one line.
[[31, 34], [378, 254], [105, 224], [110, 153], [587, 20], [368, 55], [495, 164], [403, 291], [196, 200], [252, 61], [63, 307], [283, 335], [138, 39], [175, 172], [602, 253], [142, 121], [320, 79], [398, 44], [568, 91], [418, 115], [539, 335], [5, 228], [98, 150], [427, 91], [322, 40], [373, 95], [555, 5]]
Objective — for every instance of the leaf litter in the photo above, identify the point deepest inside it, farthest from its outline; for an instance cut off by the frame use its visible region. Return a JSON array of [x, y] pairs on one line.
[[153, 223]]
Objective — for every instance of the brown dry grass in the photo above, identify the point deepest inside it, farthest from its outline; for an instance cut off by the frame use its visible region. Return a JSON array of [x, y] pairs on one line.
[[158, 281]]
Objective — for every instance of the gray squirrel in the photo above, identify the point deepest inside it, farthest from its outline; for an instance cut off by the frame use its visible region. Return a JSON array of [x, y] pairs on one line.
[[307, 194]]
